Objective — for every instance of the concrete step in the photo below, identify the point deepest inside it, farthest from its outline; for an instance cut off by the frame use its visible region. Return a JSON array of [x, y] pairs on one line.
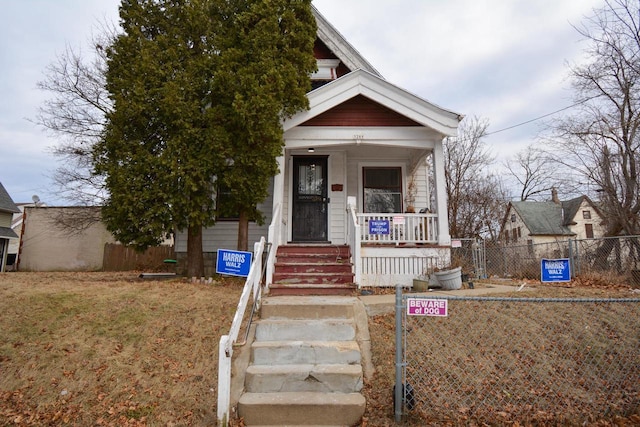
[[301, 409], [304, 378], [305, 289], [307, 307], [301, 352], [300, 330]]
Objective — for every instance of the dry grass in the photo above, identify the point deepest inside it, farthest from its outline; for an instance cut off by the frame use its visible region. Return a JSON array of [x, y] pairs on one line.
[[380, 410], [109, 349]]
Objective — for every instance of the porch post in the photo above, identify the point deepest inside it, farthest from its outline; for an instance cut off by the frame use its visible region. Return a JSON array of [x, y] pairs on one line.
[[278, 195], [444, 239]]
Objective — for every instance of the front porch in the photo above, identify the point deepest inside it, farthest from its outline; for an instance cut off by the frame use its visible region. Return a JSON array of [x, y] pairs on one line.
[[385, 250]]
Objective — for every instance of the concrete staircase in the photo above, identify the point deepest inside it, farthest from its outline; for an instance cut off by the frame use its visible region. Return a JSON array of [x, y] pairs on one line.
[[306, 363], [313, 269]]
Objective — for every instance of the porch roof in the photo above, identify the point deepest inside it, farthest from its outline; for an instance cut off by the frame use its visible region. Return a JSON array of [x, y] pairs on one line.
[[361, 82]]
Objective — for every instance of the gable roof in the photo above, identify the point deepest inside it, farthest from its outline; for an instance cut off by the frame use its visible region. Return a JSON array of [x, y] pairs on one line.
[[549, 218], [332, 38], [6, 203], [7, 206], [362, 82], [542, 218]]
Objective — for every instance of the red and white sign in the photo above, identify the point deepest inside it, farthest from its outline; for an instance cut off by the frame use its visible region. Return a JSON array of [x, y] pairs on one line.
[[427, 307]]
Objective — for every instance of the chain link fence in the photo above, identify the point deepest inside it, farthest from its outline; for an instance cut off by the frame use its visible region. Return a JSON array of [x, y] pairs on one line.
[[531, 360], [613, 257]]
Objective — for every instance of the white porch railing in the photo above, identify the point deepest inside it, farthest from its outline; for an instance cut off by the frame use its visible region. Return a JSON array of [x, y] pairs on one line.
[[225, 348], [398, 228], [353, 240], [275, 239]]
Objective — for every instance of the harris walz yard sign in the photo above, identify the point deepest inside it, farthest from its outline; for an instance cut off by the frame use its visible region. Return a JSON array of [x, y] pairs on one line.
[[233, 263], [555, 270]]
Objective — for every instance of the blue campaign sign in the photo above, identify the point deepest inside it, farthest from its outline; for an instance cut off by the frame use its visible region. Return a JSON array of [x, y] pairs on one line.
[[233, 263], [378, 226], [555, 270]]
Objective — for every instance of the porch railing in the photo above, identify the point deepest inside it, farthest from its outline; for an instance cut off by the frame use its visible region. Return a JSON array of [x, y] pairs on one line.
[[275, 239], [353, 240], [225, 347], [398, 228]]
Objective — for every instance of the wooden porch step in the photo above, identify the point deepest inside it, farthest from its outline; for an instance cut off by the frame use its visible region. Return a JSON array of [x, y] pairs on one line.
[[312, 267], [318, 269], [316, 278], [337, 252]]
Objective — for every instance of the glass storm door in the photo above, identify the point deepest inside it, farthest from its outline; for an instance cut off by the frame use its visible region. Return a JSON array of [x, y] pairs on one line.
[[310, 202]]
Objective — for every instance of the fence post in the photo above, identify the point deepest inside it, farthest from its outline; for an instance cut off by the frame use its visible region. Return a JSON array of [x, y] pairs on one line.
[[398, 389], [576, 257], [224, 382]]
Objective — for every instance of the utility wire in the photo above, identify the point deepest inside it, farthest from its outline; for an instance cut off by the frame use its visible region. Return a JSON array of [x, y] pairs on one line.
[[539, 117]]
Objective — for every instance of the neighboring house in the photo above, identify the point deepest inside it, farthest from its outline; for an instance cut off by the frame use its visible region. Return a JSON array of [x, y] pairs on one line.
[[7, 209], [46, 244], [355, 166], [533, 223], [16, 226]]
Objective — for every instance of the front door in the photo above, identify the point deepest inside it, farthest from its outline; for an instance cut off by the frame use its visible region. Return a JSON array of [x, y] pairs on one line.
[[310, 202]]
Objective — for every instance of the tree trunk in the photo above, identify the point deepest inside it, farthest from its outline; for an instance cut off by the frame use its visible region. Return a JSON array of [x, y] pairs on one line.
[[243, 232], [195, 257]]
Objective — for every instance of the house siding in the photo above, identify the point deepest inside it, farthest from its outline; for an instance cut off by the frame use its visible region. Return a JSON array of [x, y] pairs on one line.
[[510, 226], [338, 199], [360, 111], [580, 222], [5, 219], [224, 235]]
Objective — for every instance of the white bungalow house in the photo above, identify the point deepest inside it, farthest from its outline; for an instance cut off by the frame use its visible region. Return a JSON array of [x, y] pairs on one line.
[[362, 168]]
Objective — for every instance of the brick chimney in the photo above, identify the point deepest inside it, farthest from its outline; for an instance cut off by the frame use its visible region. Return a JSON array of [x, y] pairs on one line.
[[554, 196]]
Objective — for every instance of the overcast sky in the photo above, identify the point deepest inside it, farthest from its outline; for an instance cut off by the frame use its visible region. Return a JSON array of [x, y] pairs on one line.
[[503, 60]]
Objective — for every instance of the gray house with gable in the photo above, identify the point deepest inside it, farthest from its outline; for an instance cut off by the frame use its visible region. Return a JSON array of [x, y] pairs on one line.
[[532, 223], [7, 209]]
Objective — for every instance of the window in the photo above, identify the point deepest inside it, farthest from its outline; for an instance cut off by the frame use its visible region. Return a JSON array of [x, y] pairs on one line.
[[225, 206], [586, 214], [382, 189], [514, 234], [513, 217], [588, 229]]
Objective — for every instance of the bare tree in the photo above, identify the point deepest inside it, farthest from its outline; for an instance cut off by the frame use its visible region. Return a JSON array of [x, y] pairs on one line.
[[75, 114], [475, 197], [600, 140], [531, 171]]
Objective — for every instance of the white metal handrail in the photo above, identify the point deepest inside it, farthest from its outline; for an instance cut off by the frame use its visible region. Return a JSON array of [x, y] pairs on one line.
[[396, 228], [225, 349]]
